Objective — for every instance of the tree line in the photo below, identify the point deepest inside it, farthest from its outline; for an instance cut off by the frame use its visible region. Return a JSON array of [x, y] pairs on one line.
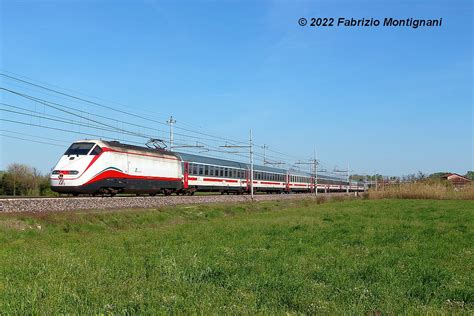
[[23, 180], [414, 177]]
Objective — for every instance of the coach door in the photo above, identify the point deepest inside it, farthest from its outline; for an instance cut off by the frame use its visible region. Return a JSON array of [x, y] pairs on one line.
[[185, 175], [247, 178]]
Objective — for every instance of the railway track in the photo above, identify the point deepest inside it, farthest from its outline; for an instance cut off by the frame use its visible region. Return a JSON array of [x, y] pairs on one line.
[[9, 205]]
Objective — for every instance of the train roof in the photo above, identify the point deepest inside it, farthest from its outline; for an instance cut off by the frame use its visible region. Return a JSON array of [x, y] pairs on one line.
[[227, 163], [117, 144], [234, 164]]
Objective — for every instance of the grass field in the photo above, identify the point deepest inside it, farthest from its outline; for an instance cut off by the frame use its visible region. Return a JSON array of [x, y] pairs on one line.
[[364, 257]]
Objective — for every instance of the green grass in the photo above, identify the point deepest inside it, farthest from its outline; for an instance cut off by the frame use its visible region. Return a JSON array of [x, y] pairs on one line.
[[365, 256]]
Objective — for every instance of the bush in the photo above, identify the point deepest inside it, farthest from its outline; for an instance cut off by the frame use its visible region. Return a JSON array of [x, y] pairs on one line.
[[437, 190], [21, 179]]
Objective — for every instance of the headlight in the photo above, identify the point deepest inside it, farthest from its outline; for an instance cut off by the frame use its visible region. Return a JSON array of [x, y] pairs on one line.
[[73, 172]]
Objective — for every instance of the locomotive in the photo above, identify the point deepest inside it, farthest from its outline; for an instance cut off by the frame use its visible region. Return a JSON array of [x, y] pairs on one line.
[[110, 167]]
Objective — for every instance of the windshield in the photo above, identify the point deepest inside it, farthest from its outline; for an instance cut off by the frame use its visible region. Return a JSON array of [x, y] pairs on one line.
[[79, 149]]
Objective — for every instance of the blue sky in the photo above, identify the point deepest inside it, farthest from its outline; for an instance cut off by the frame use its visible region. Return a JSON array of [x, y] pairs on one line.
[[386, 100]]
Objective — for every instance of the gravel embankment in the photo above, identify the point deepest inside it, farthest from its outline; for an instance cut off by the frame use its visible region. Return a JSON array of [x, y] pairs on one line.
[[91, 203]]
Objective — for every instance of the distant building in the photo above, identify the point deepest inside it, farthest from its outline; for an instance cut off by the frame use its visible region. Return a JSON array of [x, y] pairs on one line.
[[456, 179]]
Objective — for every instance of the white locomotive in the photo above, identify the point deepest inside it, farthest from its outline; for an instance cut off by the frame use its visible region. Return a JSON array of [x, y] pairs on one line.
[[110, 167]]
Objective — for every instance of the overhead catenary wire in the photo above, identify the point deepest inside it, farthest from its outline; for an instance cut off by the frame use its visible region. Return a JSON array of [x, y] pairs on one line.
[[67, 122], [68, 112], [214, 138], [115, 109], [24, 134], [29, 140], [57, 106], [69, 131]]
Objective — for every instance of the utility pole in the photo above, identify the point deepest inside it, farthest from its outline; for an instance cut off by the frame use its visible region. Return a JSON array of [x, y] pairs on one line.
[[251, 165], [265, 161], [348, 180], [250, 147], [348, 176], [314, 170], [264, 153], [315, 173], [376, 184], [170, 122]]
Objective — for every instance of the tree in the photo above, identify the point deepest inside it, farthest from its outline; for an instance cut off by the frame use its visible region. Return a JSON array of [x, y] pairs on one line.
[[19, 179], [470, 175]]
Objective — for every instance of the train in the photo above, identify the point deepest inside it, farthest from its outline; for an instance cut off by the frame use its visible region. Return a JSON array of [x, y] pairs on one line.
[[100, 167]]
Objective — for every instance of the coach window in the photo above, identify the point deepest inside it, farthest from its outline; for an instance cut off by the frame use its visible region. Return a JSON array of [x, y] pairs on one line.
[[221, 172], [206, 170], [201, 170]]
